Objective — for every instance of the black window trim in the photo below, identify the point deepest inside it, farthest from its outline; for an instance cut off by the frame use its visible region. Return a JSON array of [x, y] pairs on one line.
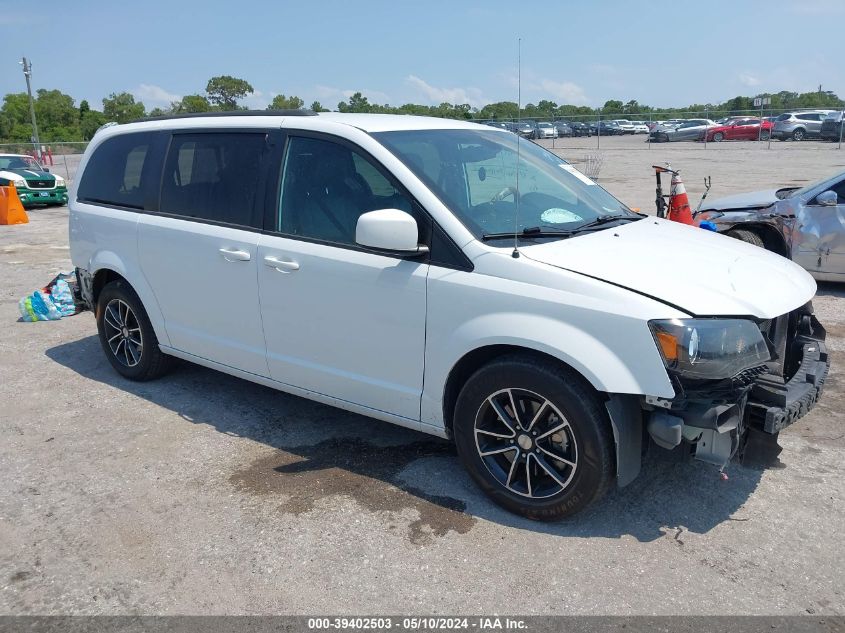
[[461, 261], [262, 178], [150, 163]]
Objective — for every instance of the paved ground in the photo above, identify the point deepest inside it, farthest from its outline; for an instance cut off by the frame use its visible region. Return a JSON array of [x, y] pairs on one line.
[[202, 493]]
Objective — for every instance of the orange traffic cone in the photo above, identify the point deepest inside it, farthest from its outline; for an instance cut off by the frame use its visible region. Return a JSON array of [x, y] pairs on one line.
[[11, 209], [679, 209]]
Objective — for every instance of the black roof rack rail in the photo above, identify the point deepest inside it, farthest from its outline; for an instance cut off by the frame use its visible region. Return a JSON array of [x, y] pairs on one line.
[[229, 113]]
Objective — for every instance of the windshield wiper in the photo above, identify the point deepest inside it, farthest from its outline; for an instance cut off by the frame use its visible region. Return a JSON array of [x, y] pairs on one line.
[[529, 231], [538, 231], [603, 219]]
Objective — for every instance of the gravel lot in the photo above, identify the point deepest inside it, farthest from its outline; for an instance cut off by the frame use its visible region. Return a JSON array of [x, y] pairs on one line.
[[202, 493]]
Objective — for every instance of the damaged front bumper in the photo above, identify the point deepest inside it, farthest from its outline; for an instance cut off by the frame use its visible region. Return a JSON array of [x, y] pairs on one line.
[[713, 418]]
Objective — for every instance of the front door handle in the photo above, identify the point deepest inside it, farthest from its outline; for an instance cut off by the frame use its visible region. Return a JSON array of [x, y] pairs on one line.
[[282, 265], [234, 255]]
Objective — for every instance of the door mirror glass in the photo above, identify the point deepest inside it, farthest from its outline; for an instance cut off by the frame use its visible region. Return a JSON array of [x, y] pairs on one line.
[[827, 199], [388, 230]]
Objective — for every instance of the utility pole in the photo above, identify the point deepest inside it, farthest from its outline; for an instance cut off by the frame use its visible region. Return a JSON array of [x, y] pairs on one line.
[[27, 71]]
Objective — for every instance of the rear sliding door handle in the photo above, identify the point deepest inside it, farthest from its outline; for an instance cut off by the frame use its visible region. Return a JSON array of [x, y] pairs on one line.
[[282, 265], [234, 255]]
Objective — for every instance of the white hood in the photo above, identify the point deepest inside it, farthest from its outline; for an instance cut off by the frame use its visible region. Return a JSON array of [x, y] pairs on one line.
[[701, 272]]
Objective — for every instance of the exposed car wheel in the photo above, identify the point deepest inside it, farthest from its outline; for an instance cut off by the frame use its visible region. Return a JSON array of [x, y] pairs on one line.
[[798, 135], [534, 437], [764, 136], [747, 236], [126, 335], [718, 137]]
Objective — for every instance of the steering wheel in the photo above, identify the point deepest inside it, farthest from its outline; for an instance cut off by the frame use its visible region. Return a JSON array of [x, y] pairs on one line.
[[504, 193]]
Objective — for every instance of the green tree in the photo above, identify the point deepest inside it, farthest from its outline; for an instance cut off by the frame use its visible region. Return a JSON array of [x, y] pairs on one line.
[[83, 107], [318, 107], [281, 102], [15, 124], [612, 107], [122, 108], [225, 90], [357, 103], [57, 116], [193, 103], [90, 122]]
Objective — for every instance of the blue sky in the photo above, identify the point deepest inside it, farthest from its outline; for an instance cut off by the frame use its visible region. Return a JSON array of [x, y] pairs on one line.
[[463, 51]]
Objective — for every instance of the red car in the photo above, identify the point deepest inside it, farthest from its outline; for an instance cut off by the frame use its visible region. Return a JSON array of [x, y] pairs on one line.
[[740, 130]]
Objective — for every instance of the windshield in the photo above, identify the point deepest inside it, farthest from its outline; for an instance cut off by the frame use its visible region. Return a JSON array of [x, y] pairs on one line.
[[19, 162], [813, 185], [473, 172]]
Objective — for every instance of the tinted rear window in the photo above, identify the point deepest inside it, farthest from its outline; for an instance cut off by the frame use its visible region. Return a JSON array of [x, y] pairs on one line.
[[114, 172], [214, 177]]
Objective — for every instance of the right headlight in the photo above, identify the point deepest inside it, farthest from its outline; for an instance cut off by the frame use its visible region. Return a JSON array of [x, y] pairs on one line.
[[709, 348], [19, 184]]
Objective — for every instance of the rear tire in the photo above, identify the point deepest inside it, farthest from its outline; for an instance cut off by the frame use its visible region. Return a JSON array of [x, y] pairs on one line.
[[751, 237], [718, 137], [127, 336], [798, 135], [552, 453]]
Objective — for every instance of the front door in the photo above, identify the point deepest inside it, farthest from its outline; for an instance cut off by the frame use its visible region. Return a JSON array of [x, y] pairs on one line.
[[199, 252], [339, 320], [819, 241]]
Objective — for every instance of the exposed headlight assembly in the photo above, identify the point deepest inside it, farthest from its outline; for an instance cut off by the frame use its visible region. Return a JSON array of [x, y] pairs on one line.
[[709, 348], [60, 182], [19, 183]]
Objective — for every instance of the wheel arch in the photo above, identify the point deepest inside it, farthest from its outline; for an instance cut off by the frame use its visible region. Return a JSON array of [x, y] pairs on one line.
[[623, 411], [772, 238], [106, 267]]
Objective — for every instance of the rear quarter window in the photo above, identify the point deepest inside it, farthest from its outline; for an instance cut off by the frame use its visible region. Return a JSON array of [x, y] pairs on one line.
[[115, 172]]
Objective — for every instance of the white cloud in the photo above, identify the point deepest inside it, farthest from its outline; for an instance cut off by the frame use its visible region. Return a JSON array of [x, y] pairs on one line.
[[747, 79], [436, 95], [564, 91], [256, 101], [156, 95]]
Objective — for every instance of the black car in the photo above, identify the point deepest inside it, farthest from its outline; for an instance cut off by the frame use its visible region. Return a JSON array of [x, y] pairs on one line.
[[526, 129], [580, 129], [831, 129], [564, 129], [609, 128]]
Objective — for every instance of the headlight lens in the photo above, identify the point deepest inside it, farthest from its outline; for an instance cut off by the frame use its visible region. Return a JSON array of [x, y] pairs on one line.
[[709, 215], [709, 348], [20, 184], [60, 182]]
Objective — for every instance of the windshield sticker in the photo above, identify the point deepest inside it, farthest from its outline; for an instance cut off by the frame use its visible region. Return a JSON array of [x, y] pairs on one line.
[[559, 216], [577, 174]]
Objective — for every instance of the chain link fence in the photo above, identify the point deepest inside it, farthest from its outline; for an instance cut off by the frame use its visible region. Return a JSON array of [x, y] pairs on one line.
[[59, 158]]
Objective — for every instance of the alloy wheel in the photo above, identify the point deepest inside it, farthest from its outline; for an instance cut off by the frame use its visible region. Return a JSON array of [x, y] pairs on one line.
[[526, 443], [123, 333]]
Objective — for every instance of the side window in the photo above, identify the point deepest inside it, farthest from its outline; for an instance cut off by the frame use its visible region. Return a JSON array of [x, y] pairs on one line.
[[326, 187], [808, 117], [214, 177], [113, 174]]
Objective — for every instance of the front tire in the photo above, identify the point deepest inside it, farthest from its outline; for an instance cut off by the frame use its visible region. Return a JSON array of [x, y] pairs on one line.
[[535, 437], [718, 137], [798, 135], [750, 237], [127, 336]]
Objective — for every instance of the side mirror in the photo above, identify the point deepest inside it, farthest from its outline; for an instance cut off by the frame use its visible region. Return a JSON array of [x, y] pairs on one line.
[[47, 169], [389, 230], [827, 199]]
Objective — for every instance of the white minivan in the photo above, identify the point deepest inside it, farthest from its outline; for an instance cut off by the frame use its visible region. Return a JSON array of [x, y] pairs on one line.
[[445, 276]]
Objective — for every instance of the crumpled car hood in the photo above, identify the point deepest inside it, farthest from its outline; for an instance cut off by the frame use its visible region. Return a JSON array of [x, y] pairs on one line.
[[700, 272], [749, 200]]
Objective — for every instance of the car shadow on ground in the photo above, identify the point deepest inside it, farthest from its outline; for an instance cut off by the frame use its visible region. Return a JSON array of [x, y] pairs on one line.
[[321, 452]]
